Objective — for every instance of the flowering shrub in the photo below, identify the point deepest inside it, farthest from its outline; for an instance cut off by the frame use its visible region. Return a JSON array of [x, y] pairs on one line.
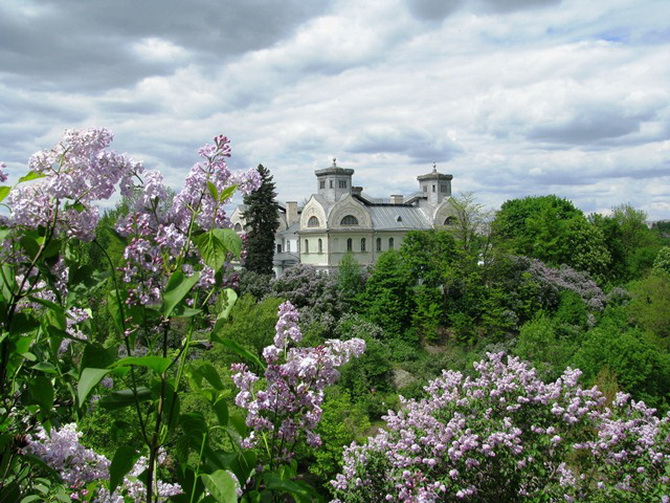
[[288, 406], [78, 467], [504, 435]]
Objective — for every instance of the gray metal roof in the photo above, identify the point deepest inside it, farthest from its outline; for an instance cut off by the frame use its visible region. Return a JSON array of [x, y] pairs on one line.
[[400, 217]]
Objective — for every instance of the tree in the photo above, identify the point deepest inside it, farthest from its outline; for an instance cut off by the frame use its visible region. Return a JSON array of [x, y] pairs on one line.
[[553, 230], [472, 225], [262, 221]]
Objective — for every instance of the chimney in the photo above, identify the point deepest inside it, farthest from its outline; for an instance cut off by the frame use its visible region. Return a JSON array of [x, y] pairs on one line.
[[291, 212], [356, 191], [396, 199]]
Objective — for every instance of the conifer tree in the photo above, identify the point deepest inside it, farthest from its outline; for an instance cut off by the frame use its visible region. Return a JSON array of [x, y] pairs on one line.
[[262, 222]]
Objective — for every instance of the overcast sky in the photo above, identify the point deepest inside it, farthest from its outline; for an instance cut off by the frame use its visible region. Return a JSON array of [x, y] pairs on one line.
[[512, 97]]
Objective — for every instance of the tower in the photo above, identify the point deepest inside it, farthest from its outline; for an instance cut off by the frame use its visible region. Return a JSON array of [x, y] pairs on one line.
[[334, 181], [435, 186]]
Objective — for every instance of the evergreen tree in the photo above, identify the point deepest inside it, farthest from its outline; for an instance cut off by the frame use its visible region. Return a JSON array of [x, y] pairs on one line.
[[262, 222]]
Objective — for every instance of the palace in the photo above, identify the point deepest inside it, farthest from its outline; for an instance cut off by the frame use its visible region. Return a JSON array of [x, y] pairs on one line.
[[341, 218]]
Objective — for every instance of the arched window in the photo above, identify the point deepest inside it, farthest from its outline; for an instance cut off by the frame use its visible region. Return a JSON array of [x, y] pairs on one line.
[[313, 222], [320, 244], [390, 243], [362, 244], [238, 227], [379, 244], [349, 220], [350, 244], [306, 246], [450, 221]]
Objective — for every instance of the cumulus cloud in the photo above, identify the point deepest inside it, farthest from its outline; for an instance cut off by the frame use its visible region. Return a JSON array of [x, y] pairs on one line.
[[512, 97]]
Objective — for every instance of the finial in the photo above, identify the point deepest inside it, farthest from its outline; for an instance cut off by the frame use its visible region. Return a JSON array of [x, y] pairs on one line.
[[434, 167], [334, 163]]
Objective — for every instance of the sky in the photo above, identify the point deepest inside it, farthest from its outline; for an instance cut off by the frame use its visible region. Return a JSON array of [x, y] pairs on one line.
[[514, 98]]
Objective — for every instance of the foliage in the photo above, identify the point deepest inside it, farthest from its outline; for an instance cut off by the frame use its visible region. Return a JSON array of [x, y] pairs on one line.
[[552, 230], [504, 435], [639, 366], [662, 260], [386, 300], [650, 304], [258, 285], [350, 280], [262, 221]]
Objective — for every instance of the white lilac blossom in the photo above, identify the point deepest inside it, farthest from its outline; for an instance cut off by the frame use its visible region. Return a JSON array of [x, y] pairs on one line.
[[288, 407], [78, 466], [504, 435]]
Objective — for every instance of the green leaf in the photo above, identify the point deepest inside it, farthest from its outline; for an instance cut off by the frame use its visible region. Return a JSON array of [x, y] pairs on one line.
[[226, 193], [156, 363], [221, 410], [210, 373], [221, 486], [122, 462], [98, 356], [42, 392], [44, 367], [4, 191], [240, 350], [177, 288], [212, 248], [212, 190], [124, 398], [90, 377], [231, 241], [32, 175]]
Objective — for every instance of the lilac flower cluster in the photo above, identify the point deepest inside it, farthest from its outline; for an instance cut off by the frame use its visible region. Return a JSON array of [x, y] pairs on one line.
[[79, 466], [76, 172], [567, 278], [289, 405], [504, 435], [158, 232]]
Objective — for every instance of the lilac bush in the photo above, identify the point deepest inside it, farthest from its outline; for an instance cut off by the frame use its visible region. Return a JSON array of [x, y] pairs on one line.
[[79, 467], [504, 435], [287, 408]]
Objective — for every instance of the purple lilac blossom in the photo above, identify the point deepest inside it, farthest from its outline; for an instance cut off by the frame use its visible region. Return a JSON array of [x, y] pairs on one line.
[[504, 435], [78, 466], [288, 407], [76, 172]]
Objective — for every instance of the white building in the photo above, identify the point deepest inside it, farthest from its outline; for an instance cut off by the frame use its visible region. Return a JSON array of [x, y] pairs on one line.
[[340, 218]]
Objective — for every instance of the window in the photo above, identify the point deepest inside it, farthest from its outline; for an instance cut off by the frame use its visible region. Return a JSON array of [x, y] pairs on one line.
[[390, 243], [425, 188], [443, 188], [322, 184], [306, 246], [450, 221], [331, 184], [349, 220], [343, 184], [320, 244], [433, 188], [313, 222], [288, 246], [278, 248], [362, 244], [238, 228], [379, 244], [350, 244]]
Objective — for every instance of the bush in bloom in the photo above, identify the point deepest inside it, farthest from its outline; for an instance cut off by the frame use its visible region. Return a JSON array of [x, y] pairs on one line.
[[504, 435], [79, 466], [288, 407]]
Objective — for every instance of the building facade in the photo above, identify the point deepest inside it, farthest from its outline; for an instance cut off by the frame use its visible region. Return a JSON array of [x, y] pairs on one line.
[[340, 218]]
